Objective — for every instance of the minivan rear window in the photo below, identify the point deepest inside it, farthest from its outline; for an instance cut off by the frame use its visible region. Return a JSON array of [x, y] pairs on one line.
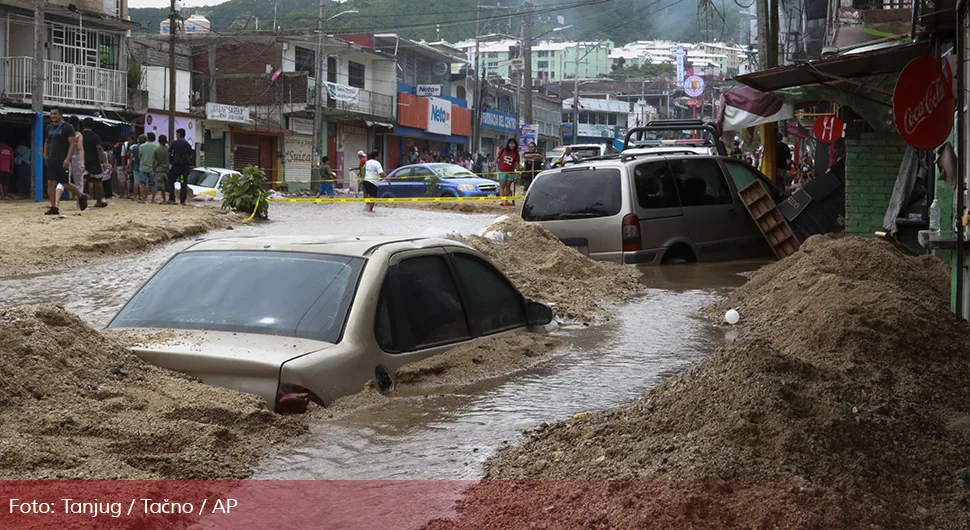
[[574, 194]]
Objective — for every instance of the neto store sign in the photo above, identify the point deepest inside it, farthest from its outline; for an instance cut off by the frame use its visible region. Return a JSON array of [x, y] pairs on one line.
[[439, 116], [923, 104], [499, 121]]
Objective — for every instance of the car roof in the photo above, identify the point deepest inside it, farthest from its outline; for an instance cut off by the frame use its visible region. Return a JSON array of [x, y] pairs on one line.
[[360, 246], [216, 169]]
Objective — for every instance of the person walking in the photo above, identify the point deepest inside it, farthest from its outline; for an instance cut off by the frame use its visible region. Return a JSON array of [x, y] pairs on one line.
[[119, 170], [533, 160], [134, 162], [181, 152], [161, 163], [94, 161], [59, 146], [146, 153], [373, 174], [21, 167], [6, 168], [327, 174], [508, 164], [77, 159]]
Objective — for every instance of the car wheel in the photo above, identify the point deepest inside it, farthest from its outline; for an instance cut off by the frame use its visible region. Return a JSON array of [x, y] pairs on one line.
[[383, 379], [387, 195], [447, 194]]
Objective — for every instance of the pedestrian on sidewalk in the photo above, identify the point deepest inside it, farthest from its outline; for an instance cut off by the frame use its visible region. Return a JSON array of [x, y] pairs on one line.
[[328, 176], [161, 164], [508, 163], [94, 161], [533, 161], [146, 153], [77, 159], [59, 146], [373, 174], [181, 152], [120, 170], [6, 168]]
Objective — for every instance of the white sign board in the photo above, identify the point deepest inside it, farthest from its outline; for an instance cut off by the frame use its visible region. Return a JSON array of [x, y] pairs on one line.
[[429, 90], [158, 124], [298, 158], [439, 116], [230, 113], [694, 86], [301, 125], [680, 53], [343, 92]]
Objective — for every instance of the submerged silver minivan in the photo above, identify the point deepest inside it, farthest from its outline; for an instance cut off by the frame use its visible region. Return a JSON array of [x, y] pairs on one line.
[[650, 209]]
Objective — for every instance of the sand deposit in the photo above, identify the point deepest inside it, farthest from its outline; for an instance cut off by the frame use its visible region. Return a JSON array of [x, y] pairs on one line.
[[75, 404], [843, 403], [31, 241], [545, 270]]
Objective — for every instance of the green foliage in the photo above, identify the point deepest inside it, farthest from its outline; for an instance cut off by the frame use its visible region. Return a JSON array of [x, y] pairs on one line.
[[241, 193], [135, 74], [644, 70], [431, 185]]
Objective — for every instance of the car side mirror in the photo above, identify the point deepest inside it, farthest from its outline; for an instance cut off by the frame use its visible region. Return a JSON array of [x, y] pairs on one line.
[[537, 313]]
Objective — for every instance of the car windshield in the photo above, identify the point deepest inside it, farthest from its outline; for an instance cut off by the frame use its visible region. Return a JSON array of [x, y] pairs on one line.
[[205, 179], [451, 171], [579, 194], [293, 294], [586, 152]]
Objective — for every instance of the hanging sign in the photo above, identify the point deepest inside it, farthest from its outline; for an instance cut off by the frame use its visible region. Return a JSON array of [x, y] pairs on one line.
[[828, 129], [428, 90], [923, 104], [694, 86], [343, 92], [694, 102]]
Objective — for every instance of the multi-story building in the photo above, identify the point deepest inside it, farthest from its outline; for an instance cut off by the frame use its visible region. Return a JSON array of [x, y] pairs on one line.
[[600, 120], [85, 67], [258, 90], [552, 61]]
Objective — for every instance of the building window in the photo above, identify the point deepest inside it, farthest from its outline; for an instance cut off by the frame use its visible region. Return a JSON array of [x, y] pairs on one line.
[[460, 93], [84, 47], [611, 119], [305, 60], [567, 117], [544, 54], [584, 117], [492, 55], [543, 64], [355, 74], [552, 75], [331, 69]]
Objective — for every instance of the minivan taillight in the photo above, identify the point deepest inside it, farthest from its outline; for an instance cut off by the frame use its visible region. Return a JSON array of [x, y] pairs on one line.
[[631, 233], [293, 399]]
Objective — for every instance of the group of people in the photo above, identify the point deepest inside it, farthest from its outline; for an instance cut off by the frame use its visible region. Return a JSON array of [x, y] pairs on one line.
[[79, 162]]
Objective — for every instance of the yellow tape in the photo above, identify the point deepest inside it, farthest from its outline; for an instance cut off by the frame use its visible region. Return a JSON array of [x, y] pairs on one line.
[[399, 179], [256, 209], [406, 200]]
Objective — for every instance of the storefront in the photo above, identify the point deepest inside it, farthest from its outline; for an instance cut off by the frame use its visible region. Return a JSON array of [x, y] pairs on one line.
[[497, 128], [156, 121], [434, 125], [298, 154], [216, 139]]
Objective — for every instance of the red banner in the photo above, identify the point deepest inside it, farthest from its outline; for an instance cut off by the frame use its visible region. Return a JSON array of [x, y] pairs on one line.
[[923, 104]]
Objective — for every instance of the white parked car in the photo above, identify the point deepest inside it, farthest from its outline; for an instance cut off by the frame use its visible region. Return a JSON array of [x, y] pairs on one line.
[[205, 183], [301, 319]]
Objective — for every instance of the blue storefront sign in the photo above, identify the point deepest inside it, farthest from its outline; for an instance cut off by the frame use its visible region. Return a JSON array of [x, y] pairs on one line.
[[496, 120]]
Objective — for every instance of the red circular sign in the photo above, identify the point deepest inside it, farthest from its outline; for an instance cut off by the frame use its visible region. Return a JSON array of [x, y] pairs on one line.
[[923, 104], [828, 129]]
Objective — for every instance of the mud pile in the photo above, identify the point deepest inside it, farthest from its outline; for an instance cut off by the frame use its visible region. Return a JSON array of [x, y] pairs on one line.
[[31, 241], [844, 403], [546, 270], [75, 404], [471, 207]]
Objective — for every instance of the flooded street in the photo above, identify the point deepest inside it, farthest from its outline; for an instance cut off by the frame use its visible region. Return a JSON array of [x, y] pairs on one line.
[[446, 436]]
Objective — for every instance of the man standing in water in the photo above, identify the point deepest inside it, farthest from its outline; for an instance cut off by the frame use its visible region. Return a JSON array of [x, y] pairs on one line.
[[373, 174], [59, 146], [94, 160]]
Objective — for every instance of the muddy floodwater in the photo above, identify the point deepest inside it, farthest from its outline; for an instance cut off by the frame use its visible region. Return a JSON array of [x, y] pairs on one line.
[[442, 436]]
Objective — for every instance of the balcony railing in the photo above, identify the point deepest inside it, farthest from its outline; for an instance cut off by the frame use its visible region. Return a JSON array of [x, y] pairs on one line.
[[68, 84], [368, 103]]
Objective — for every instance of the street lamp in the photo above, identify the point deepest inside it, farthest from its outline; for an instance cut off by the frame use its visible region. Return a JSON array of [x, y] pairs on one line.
[[553, 30], [348, 12]]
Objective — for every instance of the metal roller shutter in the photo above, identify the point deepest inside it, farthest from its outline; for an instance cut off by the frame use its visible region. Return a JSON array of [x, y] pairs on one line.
[[215, 153]]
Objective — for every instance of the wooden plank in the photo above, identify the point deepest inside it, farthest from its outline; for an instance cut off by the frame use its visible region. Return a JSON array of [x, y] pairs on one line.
[[769, 219]]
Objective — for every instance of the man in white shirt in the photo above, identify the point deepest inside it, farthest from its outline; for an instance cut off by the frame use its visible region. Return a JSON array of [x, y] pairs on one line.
[[373, 174]]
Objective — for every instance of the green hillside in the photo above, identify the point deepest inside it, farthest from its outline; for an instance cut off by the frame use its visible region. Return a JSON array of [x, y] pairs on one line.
[[619, 20]]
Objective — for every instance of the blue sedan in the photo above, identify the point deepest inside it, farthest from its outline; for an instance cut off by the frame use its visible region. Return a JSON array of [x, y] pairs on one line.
[[452, 181]]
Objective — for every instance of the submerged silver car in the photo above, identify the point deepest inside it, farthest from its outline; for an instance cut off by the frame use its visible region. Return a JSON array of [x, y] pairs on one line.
[[649, 208], [297, 319]]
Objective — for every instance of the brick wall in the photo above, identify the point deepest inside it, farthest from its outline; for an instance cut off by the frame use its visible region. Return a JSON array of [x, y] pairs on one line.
[[871, 166], [239, 57], [241, 74]]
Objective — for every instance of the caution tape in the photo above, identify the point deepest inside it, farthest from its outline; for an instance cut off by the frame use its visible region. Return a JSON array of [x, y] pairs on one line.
[[399, 179], [256, 209], [406, 200]]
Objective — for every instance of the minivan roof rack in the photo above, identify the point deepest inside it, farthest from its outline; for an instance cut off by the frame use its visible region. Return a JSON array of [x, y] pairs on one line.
[[673, 125]]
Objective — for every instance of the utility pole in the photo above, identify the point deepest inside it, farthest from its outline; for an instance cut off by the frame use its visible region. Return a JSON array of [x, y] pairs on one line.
[[527, 58], [172, 31], [37, 100], [576, 99], [318, 98], [477, 96], [768, 58]]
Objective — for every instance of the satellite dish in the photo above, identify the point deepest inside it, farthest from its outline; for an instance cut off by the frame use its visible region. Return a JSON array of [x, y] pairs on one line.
[[440, 68]]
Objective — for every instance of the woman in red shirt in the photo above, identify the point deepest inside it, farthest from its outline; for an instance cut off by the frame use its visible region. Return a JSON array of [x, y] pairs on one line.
[[508, 163]]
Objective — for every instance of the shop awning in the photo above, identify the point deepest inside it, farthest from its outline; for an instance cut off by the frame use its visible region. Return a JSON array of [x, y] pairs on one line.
[[14, 110], [836, 69], [104, 121], [379, 124]]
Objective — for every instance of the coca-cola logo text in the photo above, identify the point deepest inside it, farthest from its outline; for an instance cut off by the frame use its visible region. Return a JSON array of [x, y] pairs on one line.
[[917, 114]]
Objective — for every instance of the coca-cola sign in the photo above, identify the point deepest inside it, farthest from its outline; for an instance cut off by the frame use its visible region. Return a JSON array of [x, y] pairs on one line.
[[923, 104]]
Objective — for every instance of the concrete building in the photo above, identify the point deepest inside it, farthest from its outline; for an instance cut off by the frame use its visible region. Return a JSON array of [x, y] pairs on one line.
[[552, 61], [600, 120]]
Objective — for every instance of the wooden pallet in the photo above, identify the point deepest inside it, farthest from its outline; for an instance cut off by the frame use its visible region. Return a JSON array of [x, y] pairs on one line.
[[762, 208]]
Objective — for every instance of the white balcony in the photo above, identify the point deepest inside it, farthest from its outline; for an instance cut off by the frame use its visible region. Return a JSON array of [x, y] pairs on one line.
[[66, 84]]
